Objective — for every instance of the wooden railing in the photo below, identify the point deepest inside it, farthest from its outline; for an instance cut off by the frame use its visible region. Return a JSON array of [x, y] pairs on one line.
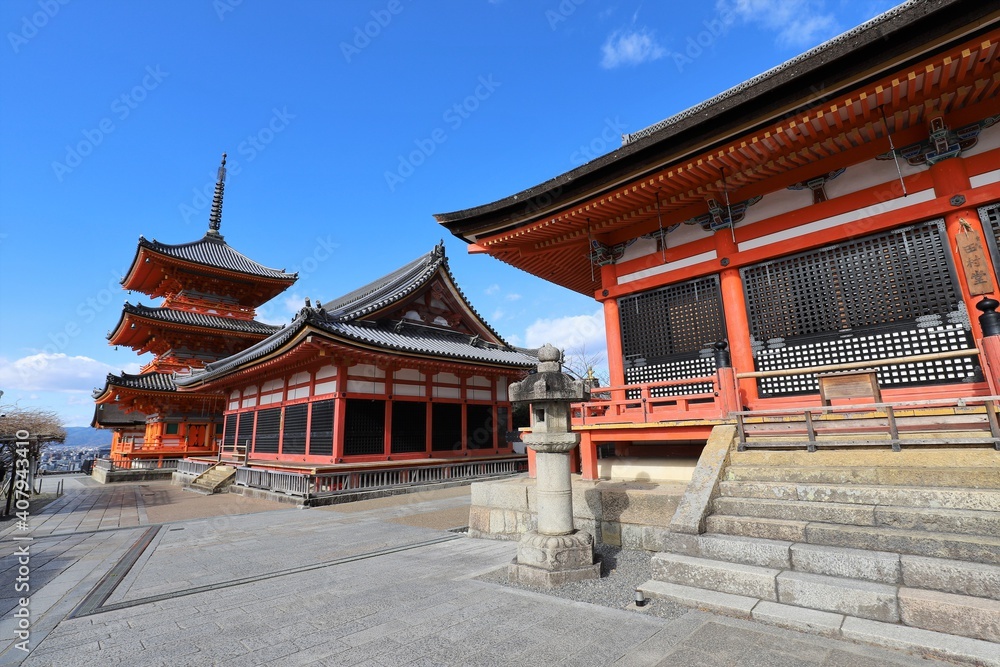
[[873, 425], [650, 402], [333, 483], [192, 467], [136, 464]]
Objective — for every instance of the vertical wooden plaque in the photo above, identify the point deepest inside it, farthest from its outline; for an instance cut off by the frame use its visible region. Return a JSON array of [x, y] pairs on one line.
[[977, 273]]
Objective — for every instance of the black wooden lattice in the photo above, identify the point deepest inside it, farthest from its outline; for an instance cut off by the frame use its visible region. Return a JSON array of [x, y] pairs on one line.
[[891, 294], [479, 426], [409, 426], [667, 334], [364, 427], [244, 434], [229, 432], [321, 429], [293, 433], [268, 426]]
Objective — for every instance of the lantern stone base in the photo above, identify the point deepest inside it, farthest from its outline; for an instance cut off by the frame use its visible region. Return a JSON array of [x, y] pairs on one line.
[[553, 560]]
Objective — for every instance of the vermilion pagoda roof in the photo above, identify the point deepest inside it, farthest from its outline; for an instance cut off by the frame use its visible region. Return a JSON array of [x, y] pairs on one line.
[[340, 321]]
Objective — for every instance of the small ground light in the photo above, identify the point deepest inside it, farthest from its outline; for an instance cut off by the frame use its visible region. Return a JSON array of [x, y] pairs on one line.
[[640, 599]]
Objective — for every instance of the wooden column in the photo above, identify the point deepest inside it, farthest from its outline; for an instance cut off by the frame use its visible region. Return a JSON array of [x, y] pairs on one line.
[[737, 321], [588, 457], [950, 178], [612, 329], [339, 413]]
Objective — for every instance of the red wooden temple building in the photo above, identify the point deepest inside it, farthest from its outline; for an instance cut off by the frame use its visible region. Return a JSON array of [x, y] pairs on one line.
[[210, 292], [401, 369], [840, 212]]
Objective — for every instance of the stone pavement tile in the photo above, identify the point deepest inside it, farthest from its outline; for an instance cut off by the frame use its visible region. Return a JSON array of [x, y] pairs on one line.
[[651, 651], [689, 656], [765, 657]]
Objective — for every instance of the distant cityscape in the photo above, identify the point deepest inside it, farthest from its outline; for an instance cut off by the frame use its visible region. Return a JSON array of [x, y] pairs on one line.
[[62, 459]]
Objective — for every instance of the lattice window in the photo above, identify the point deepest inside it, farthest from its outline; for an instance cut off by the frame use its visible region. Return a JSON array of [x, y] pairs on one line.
[[409, 427], [667, 334], [990, 217], [364, 427], [244, 434], [268, 426], [446, 426], [479, 426], [321, 429], [229, 432], [293, 436], [891, 294]]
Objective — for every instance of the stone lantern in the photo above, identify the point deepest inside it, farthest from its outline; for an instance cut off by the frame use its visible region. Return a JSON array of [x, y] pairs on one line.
[[555, 553]]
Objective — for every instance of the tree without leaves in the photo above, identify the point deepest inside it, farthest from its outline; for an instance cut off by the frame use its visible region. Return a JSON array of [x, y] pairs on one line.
[[42, 427]]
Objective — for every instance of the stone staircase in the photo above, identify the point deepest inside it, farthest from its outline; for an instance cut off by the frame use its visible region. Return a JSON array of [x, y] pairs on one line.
[[894, 548], [214, 480]]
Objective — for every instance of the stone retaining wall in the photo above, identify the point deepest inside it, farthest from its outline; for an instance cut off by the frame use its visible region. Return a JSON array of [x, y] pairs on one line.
[[627, 514]]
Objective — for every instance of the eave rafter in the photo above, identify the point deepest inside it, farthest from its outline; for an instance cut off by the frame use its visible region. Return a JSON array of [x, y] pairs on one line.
[[964, 79]]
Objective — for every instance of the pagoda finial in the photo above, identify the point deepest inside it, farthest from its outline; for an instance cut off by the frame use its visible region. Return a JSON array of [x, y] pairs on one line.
[[215, 217]]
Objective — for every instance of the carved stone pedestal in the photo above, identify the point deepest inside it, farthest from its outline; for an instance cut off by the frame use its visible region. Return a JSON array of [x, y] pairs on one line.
[[552, 560]]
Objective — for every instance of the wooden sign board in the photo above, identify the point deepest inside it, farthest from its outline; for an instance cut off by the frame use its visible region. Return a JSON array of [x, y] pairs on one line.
[[977, 272]]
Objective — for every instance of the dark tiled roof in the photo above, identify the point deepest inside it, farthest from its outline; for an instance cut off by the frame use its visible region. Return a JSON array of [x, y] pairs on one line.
[[215, 252], [199, 320], [110, 415], [151, 381], [388, 289], [339, 318]]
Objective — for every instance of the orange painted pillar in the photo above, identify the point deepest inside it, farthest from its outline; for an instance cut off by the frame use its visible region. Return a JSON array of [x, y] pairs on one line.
[[950, 179], [588, 457], [339, 415], [989, 321], [737, 321], [387, 435], [532, 470]]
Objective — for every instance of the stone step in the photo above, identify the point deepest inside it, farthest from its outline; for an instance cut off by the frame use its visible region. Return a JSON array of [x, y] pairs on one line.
[[923, 642], [951, 576], [726, 604], [974, 478], [972, 548], [769, 529], [861, 564], [966, 522], [976, 618], [733, 578], [797, 510], [851, 597], [865, 494]]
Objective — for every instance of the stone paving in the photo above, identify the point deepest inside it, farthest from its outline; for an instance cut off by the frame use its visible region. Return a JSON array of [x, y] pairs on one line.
[[379, 584]]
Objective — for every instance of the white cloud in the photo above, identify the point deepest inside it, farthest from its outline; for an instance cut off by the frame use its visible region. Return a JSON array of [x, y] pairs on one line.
[[630, 47], [56, 372], [281, 310], [512, 297], [492, 289], [570, 332], [797, 23], [497, 315]]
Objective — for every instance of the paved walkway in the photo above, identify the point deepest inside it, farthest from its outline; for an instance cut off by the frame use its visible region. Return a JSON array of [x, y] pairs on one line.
[[377, 583]]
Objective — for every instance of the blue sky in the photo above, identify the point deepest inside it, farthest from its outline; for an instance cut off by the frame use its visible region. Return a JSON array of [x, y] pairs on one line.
[[348, 124]]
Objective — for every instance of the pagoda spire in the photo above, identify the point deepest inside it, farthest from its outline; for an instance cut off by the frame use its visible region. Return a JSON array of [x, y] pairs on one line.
[[215, 217]]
